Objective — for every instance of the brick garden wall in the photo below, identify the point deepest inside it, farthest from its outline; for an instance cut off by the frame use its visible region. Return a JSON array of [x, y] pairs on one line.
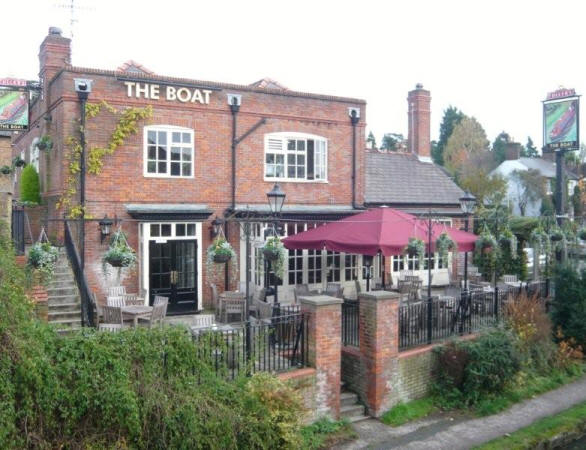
[[304, 382], [416, 373]]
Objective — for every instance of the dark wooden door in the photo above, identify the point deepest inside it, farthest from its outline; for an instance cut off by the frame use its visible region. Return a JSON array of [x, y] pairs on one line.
[[173, 274]]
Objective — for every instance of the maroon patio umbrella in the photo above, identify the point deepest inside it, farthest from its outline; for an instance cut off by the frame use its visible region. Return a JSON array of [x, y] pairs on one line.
[[383, 230]]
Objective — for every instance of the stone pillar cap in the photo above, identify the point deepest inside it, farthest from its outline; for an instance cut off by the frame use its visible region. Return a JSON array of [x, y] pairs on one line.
[[321, 300], [379, 295]]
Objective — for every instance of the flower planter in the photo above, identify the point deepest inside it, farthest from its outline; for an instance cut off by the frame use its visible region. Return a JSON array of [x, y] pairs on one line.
[[220, 259], [270, 254], [556, 237], [42, 146], [115, 262], [582, 235]]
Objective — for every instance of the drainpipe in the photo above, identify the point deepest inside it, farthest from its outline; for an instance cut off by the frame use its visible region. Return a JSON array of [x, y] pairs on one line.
[[234, 108], [354, 114]]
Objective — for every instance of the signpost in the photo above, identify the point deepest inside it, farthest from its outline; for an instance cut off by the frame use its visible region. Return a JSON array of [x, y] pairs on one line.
[[561, 133], [14, 104]]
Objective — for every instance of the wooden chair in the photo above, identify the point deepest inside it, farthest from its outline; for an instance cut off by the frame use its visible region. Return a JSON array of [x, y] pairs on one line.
[[510, 278], [233, 306], [358, 288], [118, 301], [265, 311], [116, 291], [98, 313], [158, 314], [112, 319], [334, 290], [202, 321], [133, 300], [299, 291], [215, 300], [160, 300]]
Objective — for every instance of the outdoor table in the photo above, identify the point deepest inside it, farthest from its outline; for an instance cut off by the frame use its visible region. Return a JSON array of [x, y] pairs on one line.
[[517, 284], [136, 312]]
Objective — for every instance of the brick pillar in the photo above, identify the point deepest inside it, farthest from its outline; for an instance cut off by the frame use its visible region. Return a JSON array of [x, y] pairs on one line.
[[324, 337], [379, 348], [40, 297]]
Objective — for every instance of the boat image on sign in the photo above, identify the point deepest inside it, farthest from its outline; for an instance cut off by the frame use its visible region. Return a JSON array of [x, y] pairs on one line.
[[563, 124], [12, 109]]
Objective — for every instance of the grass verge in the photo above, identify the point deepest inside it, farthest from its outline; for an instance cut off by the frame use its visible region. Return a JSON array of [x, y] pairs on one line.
[[573, 419], [406, 412], [326, 433]]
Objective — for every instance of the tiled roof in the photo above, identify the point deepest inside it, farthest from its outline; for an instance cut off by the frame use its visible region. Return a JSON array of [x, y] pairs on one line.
[[400, 178], [131, 66], [268, 83]]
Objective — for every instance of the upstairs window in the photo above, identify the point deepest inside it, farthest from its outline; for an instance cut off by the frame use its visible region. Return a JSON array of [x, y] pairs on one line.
[[295, 157], [169, 152]]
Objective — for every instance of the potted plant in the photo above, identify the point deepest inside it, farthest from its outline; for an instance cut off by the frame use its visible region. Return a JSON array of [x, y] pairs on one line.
[[415, 247], [274, 252], [45, 143], [486, 242], [6, 170], [556, 234], [220, 251], [17, 161], [445, 244], [508, 239], [42, 257], [119, 254]]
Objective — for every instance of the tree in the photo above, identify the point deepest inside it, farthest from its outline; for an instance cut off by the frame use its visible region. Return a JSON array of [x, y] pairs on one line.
[[499, 147], [529, 151], [484, 187], [30, 185], [577, 201], [452, 117], [371, 140], [392, 141], [467, 140], [530, 187]]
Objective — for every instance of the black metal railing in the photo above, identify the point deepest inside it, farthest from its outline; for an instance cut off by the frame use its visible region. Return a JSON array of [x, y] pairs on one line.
[[276, 345], [17, 229], [350, 323], [425, 322], [87, 311]]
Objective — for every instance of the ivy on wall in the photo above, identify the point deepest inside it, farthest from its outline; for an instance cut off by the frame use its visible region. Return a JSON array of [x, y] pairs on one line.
[[127, 125]]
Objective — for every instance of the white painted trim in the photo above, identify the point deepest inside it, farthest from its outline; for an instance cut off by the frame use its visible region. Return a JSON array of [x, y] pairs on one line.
[[293, 135], [169, 129], [146, 230]]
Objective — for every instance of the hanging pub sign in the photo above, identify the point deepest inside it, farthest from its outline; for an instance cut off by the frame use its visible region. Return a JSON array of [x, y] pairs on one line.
[[561, 120], [13, 105]]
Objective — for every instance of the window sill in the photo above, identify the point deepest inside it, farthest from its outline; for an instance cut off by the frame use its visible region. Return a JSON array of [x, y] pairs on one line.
[[292, 180], [168, 177]]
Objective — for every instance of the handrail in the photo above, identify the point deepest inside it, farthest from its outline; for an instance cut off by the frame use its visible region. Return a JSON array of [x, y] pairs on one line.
[[87, 312]]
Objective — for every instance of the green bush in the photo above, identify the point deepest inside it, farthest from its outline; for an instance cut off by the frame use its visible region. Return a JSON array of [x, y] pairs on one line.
[[30, 188], [568, 309], [470, 370], [134, 389]]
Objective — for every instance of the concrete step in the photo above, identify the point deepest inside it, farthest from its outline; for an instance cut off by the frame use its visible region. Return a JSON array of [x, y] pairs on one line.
[[351, 411], [63, 274], [64, 316], [64, 307], [69, 329], [66, 323], [58, 291], [61, 299], [348, 398], [62, 284], [355, 419]]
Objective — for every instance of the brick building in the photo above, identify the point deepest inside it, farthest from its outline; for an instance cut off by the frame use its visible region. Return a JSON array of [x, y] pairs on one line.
[[166, 182]]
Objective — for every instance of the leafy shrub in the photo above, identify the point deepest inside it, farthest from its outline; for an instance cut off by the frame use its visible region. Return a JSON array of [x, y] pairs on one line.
[[143, 388], [568, 309], [470, 370], [30, 188]]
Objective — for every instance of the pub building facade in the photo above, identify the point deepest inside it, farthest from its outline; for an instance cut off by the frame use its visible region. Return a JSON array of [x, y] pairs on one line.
[[209, 150]]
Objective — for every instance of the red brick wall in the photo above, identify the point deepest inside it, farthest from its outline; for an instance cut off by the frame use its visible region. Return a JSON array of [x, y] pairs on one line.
[[419, 113], [122, 180]]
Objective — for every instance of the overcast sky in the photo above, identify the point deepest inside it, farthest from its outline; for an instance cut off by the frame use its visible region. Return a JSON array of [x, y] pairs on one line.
[[494, 60]]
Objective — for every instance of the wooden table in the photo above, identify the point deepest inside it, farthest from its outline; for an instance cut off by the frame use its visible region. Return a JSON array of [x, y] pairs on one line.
[[136, 312]]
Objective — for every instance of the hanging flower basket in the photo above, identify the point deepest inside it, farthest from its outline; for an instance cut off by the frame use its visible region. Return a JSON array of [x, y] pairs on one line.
[[119, 254], [45, 143], [509, 240], [17, 161], [415, 247], [556, 235], [486, 242], [274, 252], [220, 251], [582, 234], [5, 170], [444, 244], [221, 258]]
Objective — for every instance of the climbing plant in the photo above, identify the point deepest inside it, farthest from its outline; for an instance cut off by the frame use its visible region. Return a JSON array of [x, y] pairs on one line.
[[127, 125]]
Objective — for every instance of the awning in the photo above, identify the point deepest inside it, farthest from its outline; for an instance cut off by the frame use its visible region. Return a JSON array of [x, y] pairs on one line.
[[168, 211], [299, 212]]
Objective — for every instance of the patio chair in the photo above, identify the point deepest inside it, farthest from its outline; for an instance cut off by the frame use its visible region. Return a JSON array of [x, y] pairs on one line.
[[215, 300], [160, 300], [233, 306], [358, 288], [112, 319], [158, 313], [117, 301], [510, 278], [334, 290], [116, 291], [202, 321], [96, 308], [133, 300], [299, 291], [264, 311]]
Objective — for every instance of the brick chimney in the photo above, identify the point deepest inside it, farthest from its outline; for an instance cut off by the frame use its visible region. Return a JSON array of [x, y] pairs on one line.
[[54, 55], [512, 151], [419, 101]]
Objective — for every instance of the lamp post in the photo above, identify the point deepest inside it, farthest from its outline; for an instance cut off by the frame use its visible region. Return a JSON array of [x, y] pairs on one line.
[[467, 203], [276, 198]]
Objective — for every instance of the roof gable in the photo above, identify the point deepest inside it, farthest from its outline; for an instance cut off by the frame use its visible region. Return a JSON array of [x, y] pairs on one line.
[[131, 66]]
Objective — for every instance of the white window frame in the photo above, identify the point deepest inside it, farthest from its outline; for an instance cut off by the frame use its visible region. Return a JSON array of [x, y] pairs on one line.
[[284, 137], [169, 129]]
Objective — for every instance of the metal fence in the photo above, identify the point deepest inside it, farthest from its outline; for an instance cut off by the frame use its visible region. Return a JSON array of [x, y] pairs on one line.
[[350, 320], [271, 345], [425, 322], [17, 229]]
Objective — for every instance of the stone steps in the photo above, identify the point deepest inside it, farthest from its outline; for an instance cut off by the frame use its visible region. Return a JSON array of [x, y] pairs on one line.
[[350, 407], [64, 300], [65, 316]]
